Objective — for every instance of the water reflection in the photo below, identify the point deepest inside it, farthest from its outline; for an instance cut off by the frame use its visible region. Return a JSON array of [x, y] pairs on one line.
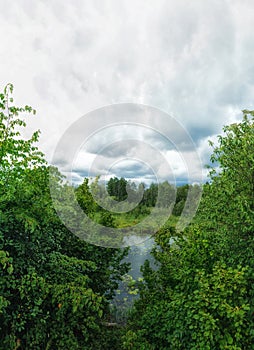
[[127, 291]]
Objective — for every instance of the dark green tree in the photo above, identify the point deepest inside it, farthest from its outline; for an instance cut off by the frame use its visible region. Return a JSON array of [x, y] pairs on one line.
[[150, 195], [85, 198], [181, 196], [117, 188]]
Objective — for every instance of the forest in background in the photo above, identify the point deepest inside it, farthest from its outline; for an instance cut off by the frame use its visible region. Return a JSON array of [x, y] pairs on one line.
[[55, 289]]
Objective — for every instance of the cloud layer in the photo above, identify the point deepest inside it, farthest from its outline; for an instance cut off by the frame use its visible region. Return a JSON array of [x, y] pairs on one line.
[[194, 60]]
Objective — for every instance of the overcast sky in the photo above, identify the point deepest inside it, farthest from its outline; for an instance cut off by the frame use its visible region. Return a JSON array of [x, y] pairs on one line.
[[191, 59]]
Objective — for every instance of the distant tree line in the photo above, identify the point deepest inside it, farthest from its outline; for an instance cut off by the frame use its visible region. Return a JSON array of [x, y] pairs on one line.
[[161, 195]]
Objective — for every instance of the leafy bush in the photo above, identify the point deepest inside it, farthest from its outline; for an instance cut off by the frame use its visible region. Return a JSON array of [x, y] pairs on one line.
[[54, 288], [201, 295]]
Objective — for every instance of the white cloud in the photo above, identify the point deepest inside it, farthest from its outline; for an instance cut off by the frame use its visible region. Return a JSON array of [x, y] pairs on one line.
[[193, 60]]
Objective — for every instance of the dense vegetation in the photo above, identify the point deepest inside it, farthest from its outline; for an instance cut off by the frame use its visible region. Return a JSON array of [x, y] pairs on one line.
[[55, 289], [202, 294]]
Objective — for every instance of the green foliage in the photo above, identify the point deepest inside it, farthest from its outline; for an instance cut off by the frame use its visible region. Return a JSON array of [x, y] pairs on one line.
[[54, 288], [201, 294], [232, 207], [106, 219], [181, 196], [150, 195], [85, 198], [117, 188], [16, 154]]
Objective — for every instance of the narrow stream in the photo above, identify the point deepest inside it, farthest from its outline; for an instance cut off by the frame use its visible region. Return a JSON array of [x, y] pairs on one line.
[[125, 296]]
